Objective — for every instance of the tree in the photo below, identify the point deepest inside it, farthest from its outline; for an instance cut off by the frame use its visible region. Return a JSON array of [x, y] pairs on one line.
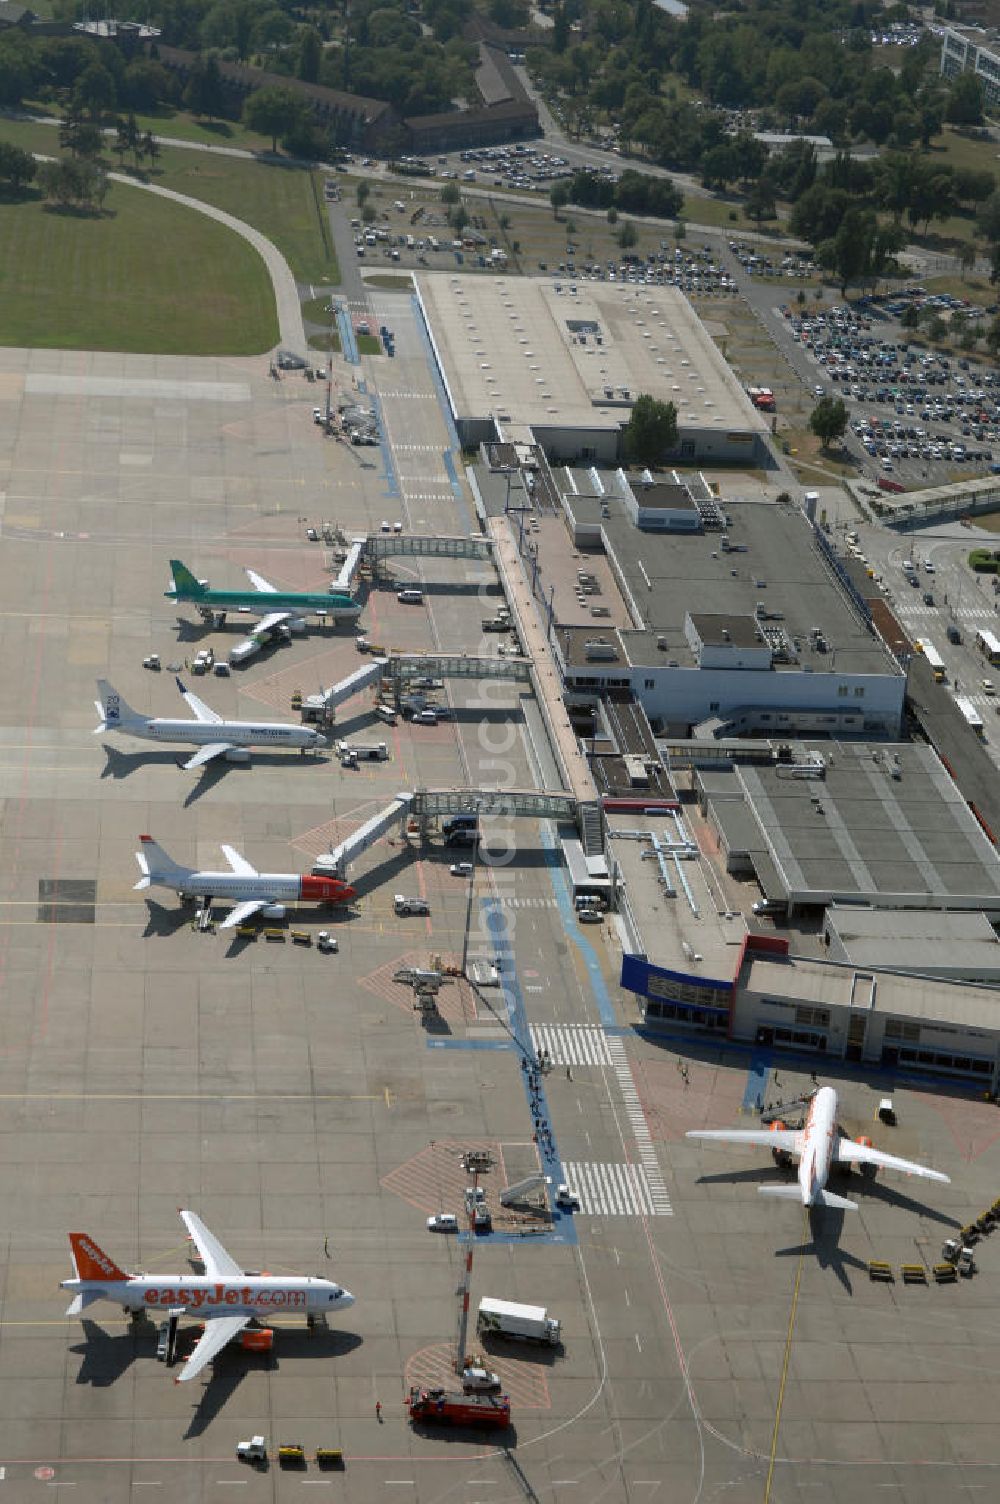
[[122, 144], [967, 257], [988, 217], [760, 202], [459, 219], [558, 196], [628, 235], [450, 194], [828, 420], [273, 111], [203, 94], [17, 167], [912, 317], [150, 148], [965, 101], [651, 431], [310, 55], [363, 193], [95, 91]]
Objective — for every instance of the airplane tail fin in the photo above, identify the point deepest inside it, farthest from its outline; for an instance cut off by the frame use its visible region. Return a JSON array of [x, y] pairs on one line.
[[91, 1262], [115, 712], [157, 867], [184, 580]]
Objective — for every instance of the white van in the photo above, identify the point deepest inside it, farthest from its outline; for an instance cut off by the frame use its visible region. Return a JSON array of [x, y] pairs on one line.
[[410, 597], [386, 713]]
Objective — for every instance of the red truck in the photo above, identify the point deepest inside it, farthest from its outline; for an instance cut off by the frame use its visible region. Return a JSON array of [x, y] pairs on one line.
[[438, 1406]]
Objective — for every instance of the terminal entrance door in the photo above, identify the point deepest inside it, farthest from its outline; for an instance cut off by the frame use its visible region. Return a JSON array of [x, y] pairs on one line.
[[855, 1036]]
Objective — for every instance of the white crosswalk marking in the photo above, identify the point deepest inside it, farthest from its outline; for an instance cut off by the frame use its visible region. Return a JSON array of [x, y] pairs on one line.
[[612, 1190], [637, 1119], [570, 1044], [528, 903]]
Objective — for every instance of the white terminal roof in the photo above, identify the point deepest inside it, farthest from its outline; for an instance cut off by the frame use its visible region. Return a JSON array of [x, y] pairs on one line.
[[529, 350]]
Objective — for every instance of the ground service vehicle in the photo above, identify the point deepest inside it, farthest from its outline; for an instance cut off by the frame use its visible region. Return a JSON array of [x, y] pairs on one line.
[[496, 623], [367, 751], [253, 1451], [404, 905], [505, 1318], [934, 661], [439, 1407]]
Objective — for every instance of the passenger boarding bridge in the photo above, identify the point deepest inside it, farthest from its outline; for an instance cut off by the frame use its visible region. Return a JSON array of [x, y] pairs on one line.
[[417, 810], [402, 668], [419, 546]]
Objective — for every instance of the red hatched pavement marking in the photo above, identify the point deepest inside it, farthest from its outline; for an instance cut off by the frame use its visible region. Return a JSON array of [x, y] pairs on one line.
[[456, 1001], [712, 1096], [311, 675], [974, 1126], [433, 1180], [525, 1382], [322, 838]]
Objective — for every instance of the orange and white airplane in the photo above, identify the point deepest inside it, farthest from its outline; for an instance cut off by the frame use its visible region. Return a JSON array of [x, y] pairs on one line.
[[225, 1298], [818, 1146]]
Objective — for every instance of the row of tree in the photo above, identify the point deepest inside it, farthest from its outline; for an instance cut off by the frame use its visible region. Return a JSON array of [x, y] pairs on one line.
[[634, 192]]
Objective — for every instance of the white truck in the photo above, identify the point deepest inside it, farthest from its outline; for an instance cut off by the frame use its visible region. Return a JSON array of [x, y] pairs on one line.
[[403, 905], [364, 751], [505, 1318]]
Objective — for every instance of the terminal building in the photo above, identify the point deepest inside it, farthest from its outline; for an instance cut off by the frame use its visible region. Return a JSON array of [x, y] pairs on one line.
[[881, 895], [744, 621], [559, 364]]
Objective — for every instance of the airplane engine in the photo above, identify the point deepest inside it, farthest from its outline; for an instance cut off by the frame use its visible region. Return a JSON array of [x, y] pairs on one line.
[[257, 1339], [238, 754], [273, 911], [781, 1157], [868, 1171]]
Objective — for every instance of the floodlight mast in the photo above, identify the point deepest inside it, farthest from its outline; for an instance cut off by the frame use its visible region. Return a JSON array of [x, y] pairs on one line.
[[475, 1162]]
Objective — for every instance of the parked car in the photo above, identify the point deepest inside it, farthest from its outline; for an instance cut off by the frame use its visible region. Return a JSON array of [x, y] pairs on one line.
[[443, 1222]]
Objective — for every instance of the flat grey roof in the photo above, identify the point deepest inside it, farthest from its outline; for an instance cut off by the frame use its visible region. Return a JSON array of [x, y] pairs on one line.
[[864, 834], [662, 495], [916, 941], [817, 982], [773, 560], [507, 350], [720, 631]]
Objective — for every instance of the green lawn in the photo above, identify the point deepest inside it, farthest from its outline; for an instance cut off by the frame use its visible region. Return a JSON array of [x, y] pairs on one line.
[[282, 201], [285, 203], [147, 276], [184, 127]]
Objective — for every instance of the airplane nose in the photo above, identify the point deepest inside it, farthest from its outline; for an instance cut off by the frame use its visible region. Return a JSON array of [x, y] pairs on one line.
[[346, 1298]]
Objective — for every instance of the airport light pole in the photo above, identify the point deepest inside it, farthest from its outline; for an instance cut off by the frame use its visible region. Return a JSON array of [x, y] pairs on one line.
[[468, 901], [475, 1162]]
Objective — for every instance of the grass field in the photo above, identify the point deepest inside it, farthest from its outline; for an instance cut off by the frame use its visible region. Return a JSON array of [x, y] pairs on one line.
[[146, 276], [282, 201]]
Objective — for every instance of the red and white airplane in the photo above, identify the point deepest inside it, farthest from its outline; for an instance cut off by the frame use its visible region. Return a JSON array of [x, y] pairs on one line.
[[225, 1298], [253, 892], [817, 1146]]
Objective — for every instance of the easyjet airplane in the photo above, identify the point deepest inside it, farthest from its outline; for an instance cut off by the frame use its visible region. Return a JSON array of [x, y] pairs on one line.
[[224, 1297], [817, 1146]]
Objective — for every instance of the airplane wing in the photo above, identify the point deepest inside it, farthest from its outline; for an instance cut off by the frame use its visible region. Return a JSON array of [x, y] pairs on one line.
[[272, 620], [243, 911], [258, 582], [206, 753], [239, 864], [202, 711], [219, 1263], [218, 1331], [848, 1151], [788, 1139]]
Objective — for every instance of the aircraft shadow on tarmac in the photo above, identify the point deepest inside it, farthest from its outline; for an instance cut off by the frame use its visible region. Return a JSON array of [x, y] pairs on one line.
[[825, 1227], [104, 1358], [161, 921], [233, 1364]]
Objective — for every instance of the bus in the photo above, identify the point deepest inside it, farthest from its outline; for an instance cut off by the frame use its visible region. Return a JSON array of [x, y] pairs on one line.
[[989, 645], [934, 661], [971, 715]]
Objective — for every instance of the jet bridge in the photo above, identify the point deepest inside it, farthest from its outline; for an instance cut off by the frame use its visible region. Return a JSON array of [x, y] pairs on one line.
[[345, 578], [337, 860], [406, 666], [321, 707], [418, 546]]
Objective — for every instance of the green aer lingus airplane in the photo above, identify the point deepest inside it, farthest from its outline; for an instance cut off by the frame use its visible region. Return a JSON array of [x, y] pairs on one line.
[[276, 607]]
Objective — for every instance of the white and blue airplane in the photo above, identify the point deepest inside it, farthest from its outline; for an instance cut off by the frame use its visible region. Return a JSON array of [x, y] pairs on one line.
[[213, 736]]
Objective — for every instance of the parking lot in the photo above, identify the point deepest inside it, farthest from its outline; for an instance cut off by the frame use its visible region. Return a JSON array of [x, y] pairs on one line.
[[918, 418]]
